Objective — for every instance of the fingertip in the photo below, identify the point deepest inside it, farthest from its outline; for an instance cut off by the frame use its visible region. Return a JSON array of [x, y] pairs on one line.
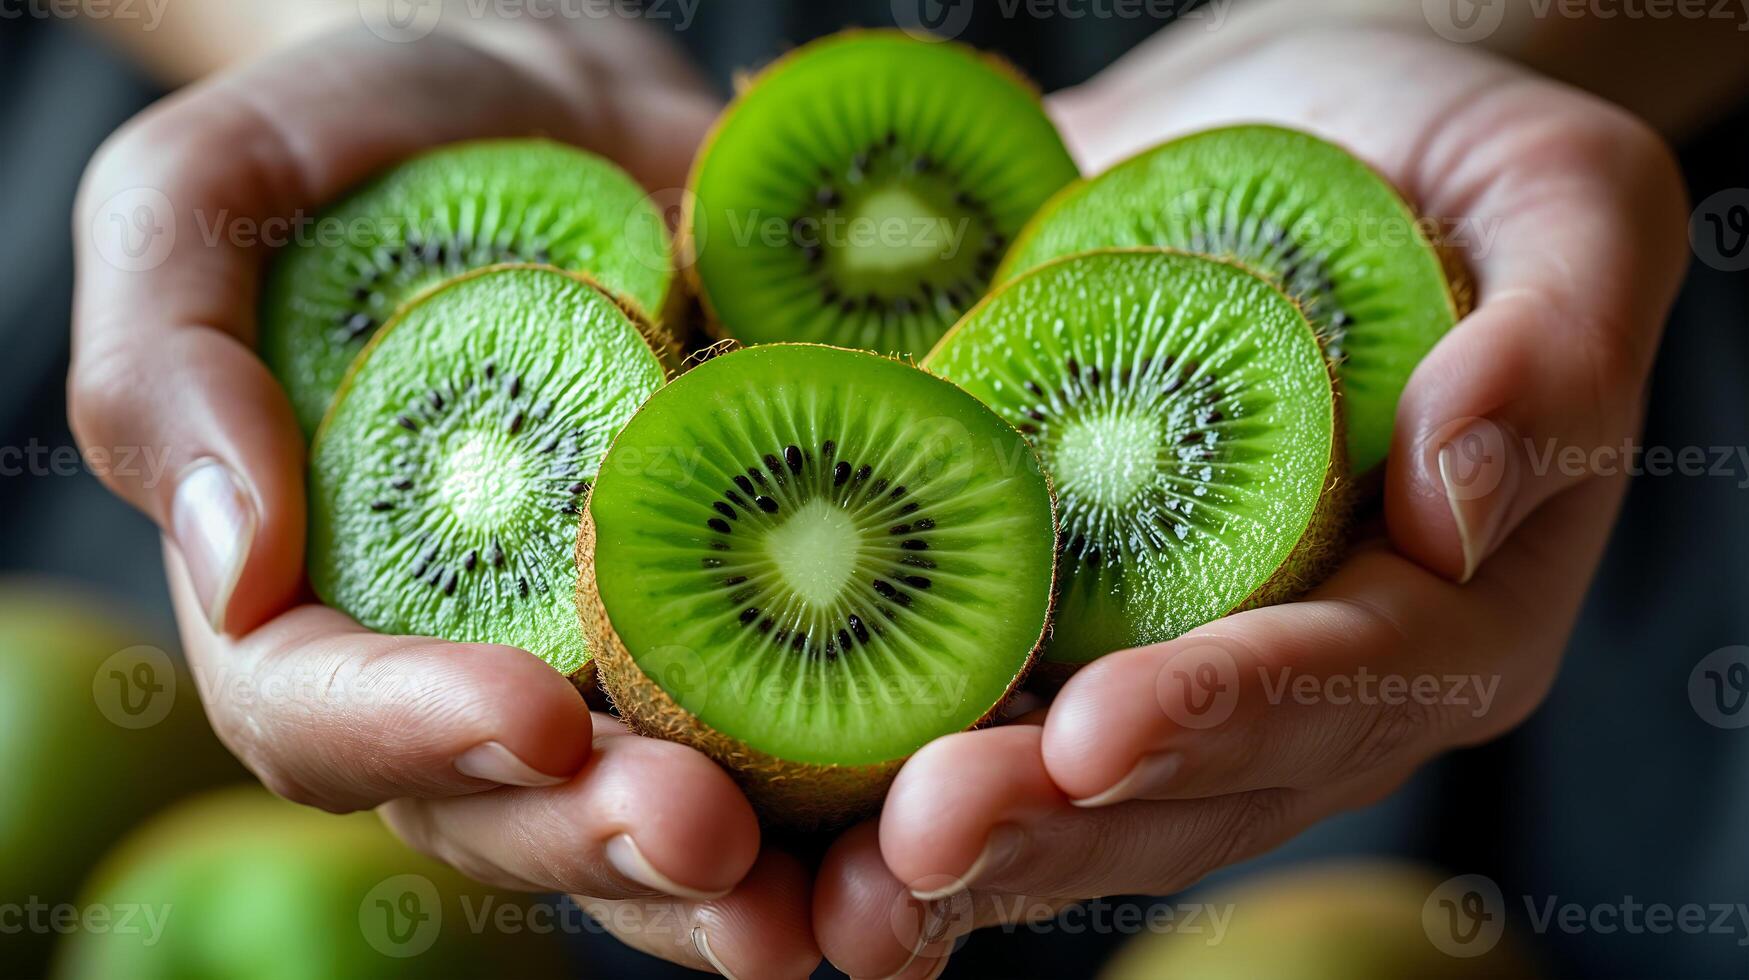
[[688, 819], [763, 928], [866, 921], [948, 803], [1102, 719]]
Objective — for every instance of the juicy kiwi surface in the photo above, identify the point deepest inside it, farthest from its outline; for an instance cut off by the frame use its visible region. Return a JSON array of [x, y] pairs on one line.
[[436, 216], [446, 482], [1186, 415], [810, 561], [1304, 213], [863, 189]]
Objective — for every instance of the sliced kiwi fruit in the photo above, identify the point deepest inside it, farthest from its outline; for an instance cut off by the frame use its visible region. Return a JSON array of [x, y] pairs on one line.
[[447, 480], [862, 190], [808, 562], [1188, 419], [1306, 214], [457, 208]]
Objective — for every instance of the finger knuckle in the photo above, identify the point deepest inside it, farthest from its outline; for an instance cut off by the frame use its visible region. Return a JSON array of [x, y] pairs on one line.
[[100, 392], [1252, 825], [1388, 731]]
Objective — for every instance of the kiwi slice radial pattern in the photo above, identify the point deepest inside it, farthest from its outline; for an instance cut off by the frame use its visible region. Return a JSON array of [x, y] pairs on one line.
[[453, 209], [809, 562], [1185, 413], [863, 189], [447, 481], [1303, 212]]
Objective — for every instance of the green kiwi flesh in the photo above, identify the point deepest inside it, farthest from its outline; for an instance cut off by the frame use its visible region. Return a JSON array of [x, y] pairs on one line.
[[1305, 213], [446, 482], [809, 562], [1187, 418], [863, 189], [456, 208]]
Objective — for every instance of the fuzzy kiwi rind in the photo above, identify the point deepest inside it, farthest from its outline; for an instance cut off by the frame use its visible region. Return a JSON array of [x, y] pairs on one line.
[[786, 793], [581, 673], [1321, 545], [1053, 232], [710, 319], [447, 211]]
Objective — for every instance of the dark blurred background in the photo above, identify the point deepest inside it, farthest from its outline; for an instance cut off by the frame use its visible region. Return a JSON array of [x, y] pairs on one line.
[[1617, 789]]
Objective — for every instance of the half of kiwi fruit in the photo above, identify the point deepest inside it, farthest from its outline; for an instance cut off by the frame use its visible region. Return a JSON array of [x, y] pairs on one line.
[[447, 480], [862, 190], [1187, 417], [456, 208], [1306, 214], [809, 562]]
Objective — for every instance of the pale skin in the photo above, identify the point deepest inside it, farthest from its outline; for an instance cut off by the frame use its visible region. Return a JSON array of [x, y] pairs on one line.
[[1575, 223]]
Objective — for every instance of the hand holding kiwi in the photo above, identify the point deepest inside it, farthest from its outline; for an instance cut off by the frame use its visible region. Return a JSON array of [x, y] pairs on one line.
[[1157, 766], [1135, 421], [322, 710]]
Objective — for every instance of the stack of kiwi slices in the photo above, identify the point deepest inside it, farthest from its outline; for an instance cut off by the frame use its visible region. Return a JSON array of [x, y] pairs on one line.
[[1302, 212], [1134, 411]]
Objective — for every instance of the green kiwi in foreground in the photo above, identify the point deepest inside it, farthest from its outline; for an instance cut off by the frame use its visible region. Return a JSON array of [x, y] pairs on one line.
[[862, 190], [1306, 214], [236, 884], [446, 482], [809, 562], [1186, 416], [437, 216]]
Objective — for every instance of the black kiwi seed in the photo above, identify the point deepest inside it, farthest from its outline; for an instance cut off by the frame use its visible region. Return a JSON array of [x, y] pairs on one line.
[[792, 455]]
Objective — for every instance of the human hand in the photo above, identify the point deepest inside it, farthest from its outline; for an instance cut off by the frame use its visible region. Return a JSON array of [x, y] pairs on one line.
[[1144, 776], [480, 755]]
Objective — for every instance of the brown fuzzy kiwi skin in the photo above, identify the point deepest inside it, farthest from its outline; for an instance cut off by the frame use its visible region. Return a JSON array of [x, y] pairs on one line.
[[686, 242], [1323, 544], [798, 796], [661, 344]]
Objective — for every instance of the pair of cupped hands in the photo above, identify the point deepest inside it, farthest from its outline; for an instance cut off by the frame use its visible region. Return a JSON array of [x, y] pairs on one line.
[[1569, 213]]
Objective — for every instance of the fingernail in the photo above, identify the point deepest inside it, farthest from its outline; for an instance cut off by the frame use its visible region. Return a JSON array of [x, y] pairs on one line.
[[702, 943], [1150, 777], [624, 856], [213, 518], [940, 966], [1000, 848], [493, 762], [1480, 476]]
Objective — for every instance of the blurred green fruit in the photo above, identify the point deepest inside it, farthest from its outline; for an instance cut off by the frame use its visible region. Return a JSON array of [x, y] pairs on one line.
[[240, 885], [98, 729], [1340, 921]]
